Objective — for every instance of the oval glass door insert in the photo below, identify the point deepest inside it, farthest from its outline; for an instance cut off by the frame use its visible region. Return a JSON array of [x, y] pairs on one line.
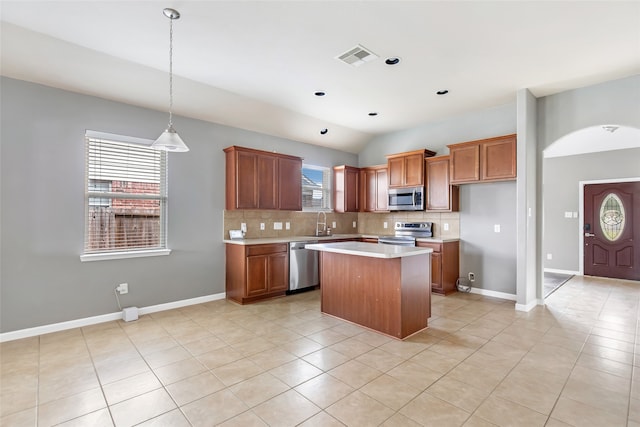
[[612, 218]]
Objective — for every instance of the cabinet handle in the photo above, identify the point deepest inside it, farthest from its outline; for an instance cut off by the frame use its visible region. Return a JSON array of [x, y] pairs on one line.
[[589, 235]]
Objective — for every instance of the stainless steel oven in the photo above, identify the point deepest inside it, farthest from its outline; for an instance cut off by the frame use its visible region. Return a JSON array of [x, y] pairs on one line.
[[407, 232], [406, 199]]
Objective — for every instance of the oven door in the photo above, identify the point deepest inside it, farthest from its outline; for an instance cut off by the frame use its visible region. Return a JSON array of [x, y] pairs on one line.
[[406, 199], [397, 240]]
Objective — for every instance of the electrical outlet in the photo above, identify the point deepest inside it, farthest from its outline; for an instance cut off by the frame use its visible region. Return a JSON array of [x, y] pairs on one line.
[[445, 226], [385, 224], [496, 228], [287, 225], [277, 226], [549, 256], [354, 224], [262, 226], [123, 288], [472, 277], [243, 227], [333, 224]]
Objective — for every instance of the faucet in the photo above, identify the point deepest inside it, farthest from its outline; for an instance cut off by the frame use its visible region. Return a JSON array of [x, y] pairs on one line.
[[323, 224]]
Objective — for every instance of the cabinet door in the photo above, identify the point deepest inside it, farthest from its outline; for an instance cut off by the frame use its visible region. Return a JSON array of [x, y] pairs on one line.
[[290, 179], [436, 271], [465, 163], [246, 180], [267, 182], [382, 190], [346, 191], [369, 190], [277, 270], [498, 159], [396, 171], [438, 186], [414, 169], [256, 275]]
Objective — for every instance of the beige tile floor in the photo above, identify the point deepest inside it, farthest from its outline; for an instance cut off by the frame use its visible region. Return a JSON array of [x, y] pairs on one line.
[[283, 363]]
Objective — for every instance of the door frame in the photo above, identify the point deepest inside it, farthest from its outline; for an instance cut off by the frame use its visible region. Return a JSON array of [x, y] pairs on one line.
[[581, 185]]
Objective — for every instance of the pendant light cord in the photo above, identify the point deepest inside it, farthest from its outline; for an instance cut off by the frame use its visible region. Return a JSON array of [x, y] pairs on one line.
[[170, 71]]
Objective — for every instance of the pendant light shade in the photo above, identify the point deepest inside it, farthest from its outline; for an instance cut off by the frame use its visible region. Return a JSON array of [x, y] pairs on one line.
[[169, 140]]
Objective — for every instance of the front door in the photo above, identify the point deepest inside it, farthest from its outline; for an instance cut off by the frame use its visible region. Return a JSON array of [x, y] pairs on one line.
[[612, 230]]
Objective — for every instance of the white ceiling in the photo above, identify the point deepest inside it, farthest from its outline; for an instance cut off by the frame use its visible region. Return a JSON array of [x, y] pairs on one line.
[[256, 64]]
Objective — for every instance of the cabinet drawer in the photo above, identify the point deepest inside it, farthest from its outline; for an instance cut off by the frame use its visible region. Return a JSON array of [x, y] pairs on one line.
[[266, 249], [437, 247]]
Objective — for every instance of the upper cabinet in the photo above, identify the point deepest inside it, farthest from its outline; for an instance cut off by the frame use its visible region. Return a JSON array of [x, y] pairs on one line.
[[440, 194], [261, 180], [374, 184], [407, 169], [346, 188], [485, 160]]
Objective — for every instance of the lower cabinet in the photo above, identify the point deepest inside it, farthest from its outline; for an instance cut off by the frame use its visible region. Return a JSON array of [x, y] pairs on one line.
[[445, 265], [256, 272]]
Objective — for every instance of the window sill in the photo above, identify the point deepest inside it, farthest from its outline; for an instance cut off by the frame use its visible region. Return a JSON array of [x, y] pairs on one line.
[[123, 255]]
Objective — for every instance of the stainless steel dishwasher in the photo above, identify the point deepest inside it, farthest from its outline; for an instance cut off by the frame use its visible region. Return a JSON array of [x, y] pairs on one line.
[[303, 266]]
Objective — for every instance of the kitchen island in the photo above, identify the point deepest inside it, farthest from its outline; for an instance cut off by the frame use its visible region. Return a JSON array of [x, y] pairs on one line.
[[386, 288]]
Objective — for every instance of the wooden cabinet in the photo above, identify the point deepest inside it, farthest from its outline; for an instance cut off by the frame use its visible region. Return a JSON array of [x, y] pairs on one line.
[[374, 185], [261, 180], [407, 169], [256, 272], [290, 181], [369, 240], [445, 265], [485, 160], [346, 188], [440, 194]]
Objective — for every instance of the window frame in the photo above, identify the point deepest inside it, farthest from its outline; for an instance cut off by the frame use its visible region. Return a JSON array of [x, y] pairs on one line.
[[90, 184], [326, 192]]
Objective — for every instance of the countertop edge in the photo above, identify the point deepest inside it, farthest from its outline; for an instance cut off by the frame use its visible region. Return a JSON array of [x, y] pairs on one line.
[[289, 239]]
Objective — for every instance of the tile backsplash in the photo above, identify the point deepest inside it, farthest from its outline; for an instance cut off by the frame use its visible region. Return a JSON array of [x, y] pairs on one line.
[[304, 223]]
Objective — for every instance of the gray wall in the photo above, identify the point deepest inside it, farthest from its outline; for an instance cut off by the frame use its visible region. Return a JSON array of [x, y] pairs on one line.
[[561, 194], [42, 206], [613, 102], [491, 256]]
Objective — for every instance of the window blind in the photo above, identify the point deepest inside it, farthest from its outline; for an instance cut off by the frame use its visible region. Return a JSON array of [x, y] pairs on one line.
[[125, 195]]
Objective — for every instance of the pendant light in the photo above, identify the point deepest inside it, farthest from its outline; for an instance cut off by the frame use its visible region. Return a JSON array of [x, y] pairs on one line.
[[170, 140]]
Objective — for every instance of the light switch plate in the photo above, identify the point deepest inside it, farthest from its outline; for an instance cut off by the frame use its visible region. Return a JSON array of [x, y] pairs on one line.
[[277, 226], [445, 226], [262, 226], [287, 225], [496, 228]]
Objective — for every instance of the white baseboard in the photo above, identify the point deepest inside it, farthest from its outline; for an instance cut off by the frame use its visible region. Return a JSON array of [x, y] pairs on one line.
[[87, 321], [494, 294], [554, 270], [530, 306]]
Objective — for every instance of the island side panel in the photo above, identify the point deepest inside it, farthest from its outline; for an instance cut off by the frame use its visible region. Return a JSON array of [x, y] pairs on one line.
[[363, 290], [416, 293]]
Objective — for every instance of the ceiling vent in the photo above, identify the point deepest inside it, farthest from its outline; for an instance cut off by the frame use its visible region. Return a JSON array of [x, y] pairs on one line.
[[357, 56]]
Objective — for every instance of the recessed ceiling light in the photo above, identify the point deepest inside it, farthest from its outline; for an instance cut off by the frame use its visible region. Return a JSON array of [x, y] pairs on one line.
[[324, 131], [320, 93], [394, 60], [373, 114], [442, 92]]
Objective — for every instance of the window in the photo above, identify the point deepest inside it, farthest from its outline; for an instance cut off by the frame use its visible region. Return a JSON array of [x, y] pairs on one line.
[[125, 197], [612, 219], [316, 188]]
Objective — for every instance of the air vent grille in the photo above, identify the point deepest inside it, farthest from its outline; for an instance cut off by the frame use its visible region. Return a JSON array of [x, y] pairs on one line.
[[357, 56]]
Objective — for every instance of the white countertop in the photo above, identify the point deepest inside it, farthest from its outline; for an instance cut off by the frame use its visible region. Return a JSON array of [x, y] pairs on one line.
[[269, 240], [369, 249]]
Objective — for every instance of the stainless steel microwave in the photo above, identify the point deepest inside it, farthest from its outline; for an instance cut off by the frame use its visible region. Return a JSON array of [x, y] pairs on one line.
[[406, 199]]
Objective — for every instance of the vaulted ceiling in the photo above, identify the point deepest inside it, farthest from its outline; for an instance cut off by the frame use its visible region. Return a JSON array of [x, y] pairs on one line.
[[258, 64]]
